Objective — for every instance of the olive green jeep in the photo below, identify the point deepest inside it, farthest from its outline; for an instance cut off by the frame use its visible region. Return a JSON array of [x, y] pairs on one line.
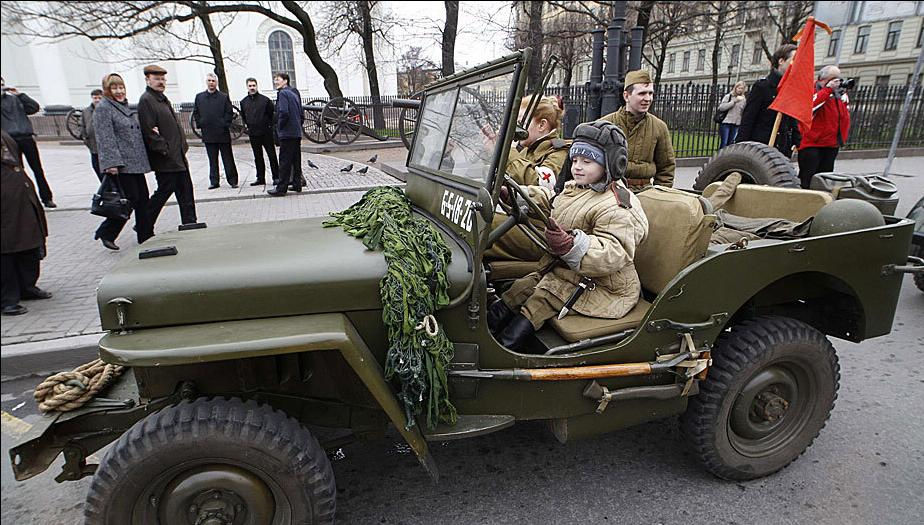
[[246, 343]]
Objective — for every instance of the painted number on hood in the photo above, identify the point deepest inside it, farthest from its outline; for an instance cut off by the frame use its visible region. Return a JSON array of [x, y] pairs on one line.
[[457, 209]]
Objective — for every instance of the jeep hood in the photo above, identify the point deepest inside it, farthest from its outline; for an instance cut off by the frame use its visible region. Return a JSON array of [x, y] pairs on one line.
[[250, 271]]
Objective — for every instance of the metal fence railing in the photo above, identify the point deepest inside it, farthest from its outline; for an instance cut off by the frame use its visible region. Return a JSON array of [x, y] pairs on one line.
[[686, 108]]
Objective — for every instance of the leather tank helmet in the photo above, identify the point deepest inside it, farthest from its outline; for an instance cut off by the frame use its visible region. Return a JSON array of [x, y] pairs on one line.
[[612, 141]]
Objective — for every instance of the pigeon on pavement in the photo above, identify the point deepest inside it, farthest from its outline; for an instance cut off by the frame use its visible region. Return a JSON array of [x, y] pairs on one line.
[[363, 170], [374, 158], [312, 164], [348, 168]]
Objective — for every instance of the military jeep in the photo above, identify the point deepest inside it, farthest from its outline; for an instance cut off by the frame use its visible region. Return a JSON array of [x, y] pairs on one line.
[[235, 360]]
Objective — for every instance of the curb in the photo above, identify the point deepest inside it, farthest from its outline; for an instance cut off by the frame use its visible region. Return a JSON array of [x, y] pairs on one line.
[[47, 357]]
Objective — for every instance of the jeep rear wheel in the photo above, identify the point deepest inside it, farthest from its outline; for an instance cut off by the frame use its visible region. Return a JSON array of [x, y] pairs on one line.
[[756, 162], [768, 394], [214, 461]]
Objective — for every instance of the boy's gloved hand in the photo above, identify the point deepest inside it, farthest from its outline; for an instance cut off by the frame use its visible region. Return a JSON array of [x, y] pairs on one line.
[[506, 197], [560, 242]]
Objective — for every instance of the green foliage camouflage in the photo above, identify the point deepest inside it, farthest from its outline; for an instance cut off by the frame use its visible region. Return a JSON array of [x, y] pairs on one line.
[[414, 287]]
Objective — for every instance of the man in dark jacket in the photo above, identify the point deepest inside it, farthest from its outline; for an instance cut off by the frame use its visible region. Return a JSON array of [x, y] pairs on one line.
[[87, 134], [15, 108], [165, 142], [22, 234], [289, 131], [213, 115], [257, 113], [757, 119]]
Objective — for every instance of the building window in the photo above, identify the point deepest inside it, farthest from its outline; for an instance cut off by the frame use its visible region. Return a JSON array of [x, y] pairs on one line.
[[741, 14], [895, 31], [671, 62], [282, 59], [911, 78], [882, 81], [834, 42], [862, 39], [920, 36], [757, 54], [736, 54], [701, 60], [686, 61], [718, 58]]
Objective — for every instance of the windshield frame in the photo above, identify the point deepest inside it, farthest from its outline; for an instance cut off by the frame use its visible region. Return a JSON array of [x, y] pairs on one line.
[[513, 63]]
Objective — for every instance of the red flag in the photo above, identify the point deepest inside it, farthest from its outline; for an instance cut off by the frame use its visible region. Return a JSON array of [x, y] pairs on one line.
[[795, 91]]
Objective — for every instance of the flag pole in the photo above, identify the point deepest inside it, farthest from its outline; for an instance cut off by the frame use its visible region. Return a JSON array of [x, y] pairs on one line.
[[901, 118], [776, 128]]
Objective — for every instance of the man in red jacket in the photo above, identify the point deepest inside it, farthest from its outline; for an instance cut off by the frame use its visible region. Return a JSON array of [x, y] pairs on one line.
[[828, 131]]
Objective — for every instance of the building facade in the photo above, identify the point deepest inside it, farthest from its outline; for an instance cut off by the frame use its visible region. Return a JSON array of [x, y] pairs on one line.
[[64, 72]]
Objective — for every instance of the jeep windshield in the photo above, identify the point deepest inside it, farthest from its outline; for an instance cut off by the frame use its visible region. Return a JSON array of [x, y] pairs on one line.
[[465, 120]]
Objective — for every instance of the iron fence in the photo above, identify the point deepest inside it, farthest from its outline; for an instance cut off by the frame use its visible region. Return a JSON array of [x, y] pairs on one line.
[[686, 108]]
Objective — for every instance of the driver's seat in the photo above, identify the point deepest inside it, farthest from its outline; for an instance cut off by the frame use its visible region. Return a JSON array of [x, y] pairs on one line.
[[575, 327]]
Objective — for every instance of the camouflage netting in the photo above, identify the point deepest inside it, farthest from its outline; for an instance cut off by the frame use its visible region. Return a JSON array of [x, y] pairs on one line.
[[414, 287]]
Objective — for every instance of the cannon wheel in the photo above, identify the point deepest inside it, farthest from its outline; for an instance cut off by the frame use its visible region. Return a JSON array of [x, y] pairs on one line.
[[342, 120], [237, 125], [312, 129], [757, 163], [74, 123], [407, 125]]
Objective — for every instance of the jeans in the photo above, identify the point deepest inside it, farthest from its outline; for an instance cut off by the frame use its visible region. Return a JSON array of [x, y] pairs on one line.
[[29, 149], [815, 160], [727, 134], [227, 158], [173, 183], [258, 144]]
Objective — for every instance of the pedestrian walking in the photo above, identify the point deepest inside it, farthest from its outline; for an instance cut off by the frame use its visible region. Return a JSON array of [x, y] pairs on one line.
[[22, 233], [87, 135], [166, 145], [830, 125], [123, 158], [757, 118], [289, 131], [257, 113], [651, 154], [733, 105], [213, 115], [15, 108]]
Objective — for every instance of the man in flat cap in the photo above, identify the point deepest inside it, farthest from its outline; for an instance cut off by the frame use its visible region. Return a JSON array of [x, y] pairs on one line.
[[651, 154], [165, 141]]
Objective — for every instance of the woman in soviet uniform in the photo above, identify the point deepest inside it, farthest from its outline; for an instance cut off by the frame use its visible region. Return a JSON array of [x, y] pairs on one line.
[[597, 223], [534, 161]]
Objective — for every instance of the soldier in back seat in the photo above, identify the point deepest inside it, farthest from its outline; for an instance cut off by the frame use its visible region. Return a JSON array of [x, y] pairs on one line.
[[597, 224]]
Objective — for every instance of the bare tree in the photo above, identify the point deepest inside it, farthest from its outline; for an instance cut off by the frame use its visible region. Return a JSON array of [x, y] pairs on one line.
[[415, 70], [528, 32], [669, 21], [787, 18], [450, 28], [568, 38]]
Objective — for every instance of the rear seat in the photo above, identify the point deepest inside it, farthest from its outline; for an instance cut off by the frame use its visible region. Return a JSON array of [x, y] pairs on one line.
[[678, 234], [758, 202]]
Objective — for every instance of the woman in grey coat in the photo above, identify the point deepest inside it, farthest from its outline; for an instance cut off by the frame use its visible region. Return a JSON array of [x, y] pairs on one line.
[[122, 158], [733, 103]]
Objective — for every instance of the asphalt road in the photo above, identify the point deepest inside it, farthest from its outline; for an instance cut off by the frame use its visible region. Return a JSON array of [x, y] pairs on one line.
[[867, 466]]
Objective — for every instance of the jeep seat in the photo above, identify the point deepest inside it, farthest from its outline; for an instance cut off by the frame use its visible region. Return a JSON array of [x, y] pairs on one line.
[[575, 327], [758, 202]]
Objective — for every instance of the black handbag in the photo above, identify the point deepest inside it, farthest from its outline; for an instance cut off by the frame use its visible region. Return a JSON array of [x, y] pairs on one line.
[[109, 201], [719, 116]]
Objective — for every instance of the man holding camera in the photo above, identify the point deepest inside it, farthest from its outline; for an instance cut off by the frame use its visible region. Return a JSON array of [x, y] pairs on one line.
[[830, 124]]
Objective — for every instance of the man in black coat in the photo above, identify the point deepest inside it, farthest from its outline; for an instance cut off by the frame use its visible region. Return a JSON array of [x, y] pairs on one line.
[[165, 142], [16, 107], [213, 115], [757, 118], [257, 113], [22, 234]]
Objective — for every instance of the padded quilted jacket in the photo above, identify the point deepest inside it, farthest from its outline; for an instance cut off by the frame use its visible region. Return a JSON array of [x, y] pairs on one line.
[[651, 153]]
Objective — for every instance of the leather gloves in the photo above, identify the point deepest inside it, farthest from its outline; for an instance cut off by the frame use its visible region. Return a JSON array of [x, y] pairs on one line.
[[506, 197], [560, 242]]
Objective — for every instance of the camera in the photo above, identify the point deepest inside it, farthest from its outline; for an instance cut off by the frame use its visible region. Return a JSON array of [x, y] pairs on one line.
[[848, 83]]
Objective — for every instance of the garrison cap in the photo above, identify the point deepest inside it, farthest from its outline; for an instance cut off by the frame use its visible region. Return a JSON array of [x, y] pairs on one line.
[[154, 69], [639, 76]]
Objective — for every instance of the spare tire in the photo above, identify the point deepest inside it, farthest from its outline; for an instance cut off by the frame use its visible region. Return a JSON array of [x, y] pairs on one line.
[[757, 163]]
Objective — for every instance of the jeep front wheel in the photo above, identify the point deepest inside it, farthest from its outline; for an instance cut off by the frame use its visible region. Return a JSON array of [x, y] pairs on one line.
[[216, 461], [768, 394]]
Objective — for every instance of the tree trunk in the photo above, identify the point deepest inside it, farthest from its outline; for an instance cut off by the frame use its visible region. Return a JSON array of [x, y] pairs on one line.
[[310, 45], [449, 36], [566, 79], [378, 114], [535, 38], [215, 48]]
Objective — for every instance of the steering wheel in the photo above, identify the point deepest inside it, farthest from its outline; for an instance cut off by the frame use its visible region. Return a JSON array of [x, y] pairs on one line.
[[521, 217]]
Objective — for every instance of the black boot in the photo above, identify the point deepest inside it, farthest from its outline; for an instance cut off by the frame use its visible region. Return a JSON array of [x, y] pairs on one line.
[[517, 331], [498, 315]]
